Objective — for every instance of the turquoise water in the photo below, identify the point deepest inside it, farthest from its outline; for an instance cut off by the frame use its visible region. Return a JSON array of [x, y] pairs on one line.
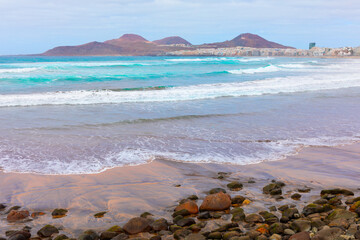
[[67, 115]]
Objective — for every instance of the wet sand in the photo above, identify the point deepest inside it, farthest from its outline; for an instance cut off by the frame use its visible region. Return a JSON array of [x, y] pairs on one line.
[[128, 191]]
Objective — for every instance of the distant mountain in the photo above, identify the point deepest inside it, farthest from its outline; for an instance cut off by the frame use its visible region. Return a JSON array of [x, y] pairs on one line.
[[246, 40], [135, 45], [176, 40]]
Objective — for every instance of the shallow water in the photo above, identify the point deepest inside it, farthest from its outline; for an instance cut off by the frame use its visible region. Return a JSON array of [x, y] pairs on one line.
[[62, 115]]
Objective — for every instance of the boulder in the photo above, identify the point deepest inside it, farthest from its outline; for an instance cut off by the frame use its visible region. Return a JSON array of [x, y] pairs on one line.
[[137, 225], [328, 234], [107, 235], [59, 213], [237, 199], [47, 231], [272, 189], [190, 206], [235, 186], [341, 213], [336, 191], [160, 224], [16, 215], [216, 202]]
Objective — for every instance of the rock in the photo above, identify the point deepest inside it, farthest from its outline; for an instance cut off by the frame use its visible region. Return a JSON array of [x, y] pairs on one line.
[[121, 236], [204, 215], [37, 214], [89, 235], [155, 237], [328, 234], [160, 224], [321, 201], [291, 213], [341, 213], [283, 208], [181, 233], [276, 228], [107, 235], [19, 235], [301, 225], [340, 222], [289, 232], [254, 218], [193, 197], [336, 191], [177, 218], [317, 223], [312, 208], [263, 228], [195, 236], [59, 213], [304, 190], [275, 237], [13, 208], [226, 227], [273, 188], [216, 202], [217, 190], [146, 215], [273, 209], [238, 214], [174, 228], [47, 231], [235, 186], [354, 206], [137, 225], [116, 229], [300, 236], [237, 199], [15, 215], [61, 237], [99, 214], [2, 207], [190, 206], [182, 212], [215, 235], [185, 222], [228, 235], [296, 196]]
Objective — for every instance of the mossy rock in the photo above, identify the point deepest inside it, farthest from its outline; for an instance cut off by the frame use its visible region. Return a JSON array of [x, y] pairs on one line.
[[61, 237], [47, 231], [341, 213], [182, 212], [99, 214], [115, 228], [276, 228], [146, 214], [215, 235], [336, 191], [193, 197], [296, 196], [217, 190], [235, 186], [59, 212]]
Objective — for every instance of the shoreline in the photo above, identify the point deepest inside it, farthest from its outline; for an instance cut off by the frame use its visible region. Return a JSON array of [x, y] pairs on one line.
[[125, 192]]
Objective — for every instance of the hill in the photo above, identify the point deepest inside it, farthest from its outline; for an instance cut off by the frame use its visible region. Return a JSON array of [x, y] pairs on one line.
[[175, 40]]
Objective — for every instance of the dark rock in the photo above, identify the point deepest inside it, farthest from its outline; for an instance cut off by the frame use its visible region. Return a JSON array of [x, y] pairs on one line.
[[37, 214], [254, 218], [237, 199], [283, 208], [321, 201], [304, 190], [15, 215], [235, 186], [99, 214], [2, 207], [190, 206], [61, 237], [160, 224], [146, 214], [193, 197], [121, 236], [301, 225], [318, 223], [185, 222], [177, 218], [226, 227], [291, 213], [181, 233], [156, 237], [47, 231], [204, 215], [216, 202], [340, 222], [296, 196], [89, 235], [357, 235], [215, 235], [217, 190], [19, 235], [107, 235], [312, 208], [182, 212], [217, 215], [336, 201], [137, 225], [174, 228], [13, 208], [272, 189], [300, 236], [336, 191], [59, 212], [273, 208]]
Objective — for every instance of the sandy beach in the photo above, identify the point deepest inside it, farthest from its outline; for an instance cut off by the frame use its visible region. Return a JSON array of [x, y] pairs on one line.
[[126, 192]]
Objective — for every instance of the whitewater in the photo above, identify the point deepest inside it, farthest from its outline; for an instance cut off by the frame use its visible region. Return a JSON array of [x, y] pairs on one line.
[[71, 115]]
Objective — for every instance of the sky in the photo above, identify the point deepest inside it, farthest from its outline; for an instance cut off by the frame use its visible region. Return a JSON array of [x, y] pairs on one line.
[[35, 26]]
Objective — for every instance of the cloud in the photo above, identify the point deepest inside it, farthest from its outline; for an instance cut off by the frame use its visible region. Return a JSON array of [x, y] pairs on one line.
[[41, 24]]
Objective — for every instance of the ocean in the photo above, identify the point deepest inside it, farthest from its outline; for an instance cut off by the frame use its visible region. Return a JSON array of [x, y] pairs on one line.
[[81, 115]]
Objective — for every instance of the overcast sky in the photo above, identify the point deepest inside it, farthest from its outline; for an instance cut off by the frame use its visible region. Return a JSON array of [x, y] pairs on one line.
[[33, 26]]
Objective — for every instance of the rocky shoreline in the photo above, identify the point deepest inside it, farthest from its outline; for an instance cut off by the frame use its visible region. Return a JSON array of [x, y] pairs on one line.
[[221, 214]]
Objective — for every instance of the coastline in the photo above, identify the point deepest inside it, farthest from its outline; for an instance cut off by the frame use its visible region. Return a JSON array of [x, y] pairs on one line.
[[125, 192]]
